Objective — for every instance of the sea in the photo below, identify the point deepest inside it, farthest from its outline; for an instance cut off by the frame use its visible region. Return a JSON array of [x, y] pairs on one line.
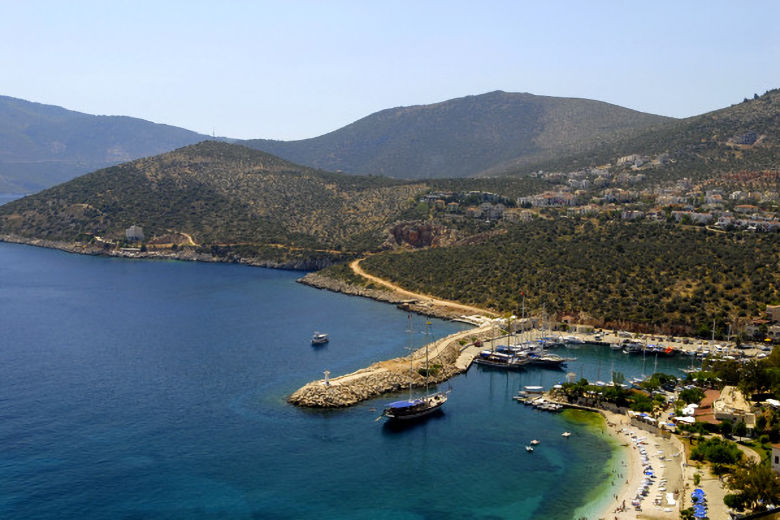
[[143, 389]]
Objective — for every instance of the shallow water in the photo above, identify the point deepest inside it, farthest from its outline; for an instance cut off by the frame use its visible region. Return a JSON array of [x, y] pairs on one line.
[[156, 389]]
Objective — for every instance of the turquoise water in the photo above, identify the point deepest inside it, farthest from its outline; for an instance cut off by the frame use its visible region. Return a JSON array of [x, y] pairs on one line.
[[151, 389]]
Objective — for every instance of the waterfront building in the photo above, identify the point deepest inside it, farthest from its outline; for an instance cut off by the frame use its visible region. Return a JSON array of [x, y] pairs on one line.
[[134, 233]]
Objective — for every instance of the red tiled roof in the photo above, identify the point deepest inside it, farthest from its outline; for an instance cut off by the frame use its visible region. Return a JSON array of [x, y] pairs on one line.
[[704, 412]]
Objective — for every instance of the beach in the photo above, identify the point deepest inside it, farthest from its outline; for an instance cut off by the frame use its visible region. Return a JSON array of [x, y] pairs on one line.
[[666, 457]]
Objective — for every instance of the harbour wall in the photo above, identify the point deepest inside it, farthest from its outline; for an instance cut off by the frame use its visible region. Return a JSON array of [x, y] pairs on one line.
[[448, 357]]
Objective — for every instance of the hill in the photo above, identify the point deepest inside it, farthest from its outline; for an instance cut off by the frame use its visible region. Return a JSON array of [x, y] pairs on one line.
[[42, 145], [744, 136], [222, 197], [644, 276], [464, 136]]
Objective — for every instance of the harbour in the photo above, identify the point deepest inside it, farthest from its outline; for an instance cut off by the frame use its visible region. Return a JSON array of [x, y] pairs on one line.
[[209, 353], [181, 410]]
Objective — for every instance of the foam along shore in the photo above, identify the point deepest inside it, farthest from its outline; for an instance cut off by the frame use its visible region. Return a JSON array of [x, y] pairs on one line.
[[448, 356]]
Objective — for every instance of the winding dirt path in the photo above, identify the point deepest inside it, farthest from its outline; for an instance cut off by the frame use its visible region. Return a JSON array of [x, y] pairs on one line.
[[466, 309]]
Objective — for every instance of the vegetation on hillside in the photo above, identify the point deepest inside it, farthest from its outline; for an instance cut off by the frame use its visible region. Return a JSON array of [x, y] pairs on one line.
[[220, 195], [699, 147], [42, 145], [646, 276], [462, 137]]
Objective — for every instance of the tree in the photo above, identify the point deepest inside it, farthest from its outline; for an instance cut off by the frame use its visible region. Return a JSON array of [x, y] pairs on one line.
[[726, 428], [756, 483], [740, 430], [692, 395], [752, 378]]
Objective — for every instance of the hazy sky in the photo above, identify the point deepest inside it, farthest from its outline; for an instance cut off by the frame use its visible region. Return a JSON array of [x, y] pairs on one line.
[[296, 69]]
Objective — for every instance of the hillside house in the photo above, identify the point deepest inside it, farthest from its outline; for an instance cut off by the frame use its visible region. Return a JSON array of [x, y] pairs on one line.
[[696, 218], [773, 313], [732, 406], [134, 234], [746, 208], [632, 215], [776, 458], [634, 159]]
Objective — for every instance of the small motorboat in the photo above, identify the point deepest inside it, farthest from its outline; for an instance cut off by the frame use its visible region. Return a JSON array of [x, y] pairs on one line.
[[319, 338], [534, 442], [566, 434], [529, 449]]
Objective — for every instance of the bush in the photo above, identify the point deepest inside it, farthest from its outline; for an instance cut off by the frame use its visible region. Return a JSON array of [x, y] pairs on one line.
[[692, 395], [717, 451], [734, 501]]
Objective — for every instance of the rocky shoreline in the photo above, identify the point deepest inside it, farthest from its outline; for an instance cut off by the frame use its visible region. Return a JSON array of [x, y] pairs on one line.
[[185, 254], [445, 360]]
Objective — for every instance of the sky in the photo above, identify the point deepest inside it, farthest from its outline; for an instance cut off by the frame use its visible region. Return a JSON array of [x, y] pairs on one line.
[[297, 69]]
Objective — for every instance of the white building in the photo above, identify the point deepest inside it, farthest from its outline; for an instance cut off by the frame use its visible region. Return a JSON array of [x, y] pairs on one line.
[[134, 234]]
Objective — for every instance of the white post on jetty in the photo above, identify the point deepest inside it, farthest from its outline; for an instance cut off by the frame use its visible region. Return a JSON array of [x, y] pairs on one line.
[[327, 373]]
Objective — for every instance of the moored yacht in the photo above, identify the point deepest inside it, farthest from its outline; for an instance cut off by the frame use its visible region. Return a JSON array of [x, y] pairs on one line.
[[413, 408], [319, 338], [501, 360]]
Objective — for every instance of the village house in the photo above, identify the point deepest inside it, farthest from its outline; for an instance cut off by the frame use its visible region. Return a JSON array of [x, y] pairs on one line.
[[518, 215], [773, 313], [590, 209], [776, 457], [696, 218], [746, 208], [732, 406], [134, 234], [633, 159], [632, 215]]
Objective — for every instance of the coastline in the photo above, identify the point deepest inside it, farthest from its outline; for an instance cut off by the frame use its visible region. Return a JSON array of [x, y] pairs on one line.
[[667, 458], [184, 254]]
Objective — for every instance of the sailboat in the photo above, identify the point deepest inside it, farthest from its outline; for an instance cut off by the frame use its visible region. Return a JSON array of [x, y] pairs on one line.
[[415, 407]]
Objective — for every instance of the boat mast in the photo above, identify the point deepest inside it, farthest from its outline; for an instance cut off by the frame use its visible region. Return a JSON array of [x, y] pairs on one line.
[[427, 341], [713, 330], [522, 336], [411, 355]]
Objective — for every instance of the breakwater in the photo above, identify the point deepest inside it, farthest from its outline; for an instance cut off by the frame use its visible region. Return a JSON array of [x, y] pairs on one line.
[[420, 306], [447, 357]]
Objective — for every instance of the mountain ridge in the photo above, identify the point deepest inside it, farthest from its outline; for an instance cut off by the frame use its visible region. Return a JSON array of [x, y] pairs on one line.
[[462, 136], [42, 145], [697, 146]]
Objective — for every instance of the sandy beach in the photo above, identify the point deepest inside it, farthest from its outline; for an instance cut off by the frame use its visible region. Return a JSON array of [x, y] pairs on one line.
[[666, 489]]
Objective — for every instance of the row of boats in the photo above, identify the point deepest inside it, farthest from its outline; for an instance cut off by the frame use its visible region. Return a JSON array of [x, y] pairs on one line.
[[515, 357], [629, 346]]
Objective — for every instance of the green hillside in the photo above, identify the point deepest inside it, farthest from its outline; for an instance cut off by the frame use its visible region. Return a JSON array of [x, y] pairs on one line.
[[221, 195], [647, 276], [462, 137]]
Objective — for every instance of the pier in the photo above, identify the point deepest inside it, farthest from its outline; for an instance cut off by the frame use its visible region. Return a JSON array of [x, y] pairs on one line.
[[449, 356]]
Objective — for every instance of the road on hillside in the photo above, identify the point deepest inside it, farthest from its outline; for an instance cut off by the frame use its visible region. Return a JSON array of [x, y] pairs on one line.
[[355, 266]]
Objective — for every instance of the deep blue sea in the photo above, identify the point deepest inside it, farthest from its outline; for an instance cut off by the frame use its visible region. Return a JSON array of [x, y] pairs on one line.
[[133, 389]]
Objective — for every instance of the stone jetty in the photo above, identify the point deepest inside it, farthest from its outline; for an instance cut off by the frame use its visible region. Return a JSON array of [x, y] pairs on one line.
[[447, 357]]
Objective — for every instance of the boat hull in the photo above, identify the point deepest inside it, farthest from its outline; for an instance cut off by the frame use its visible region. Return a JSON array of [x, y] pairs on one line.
[[416, 408]]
